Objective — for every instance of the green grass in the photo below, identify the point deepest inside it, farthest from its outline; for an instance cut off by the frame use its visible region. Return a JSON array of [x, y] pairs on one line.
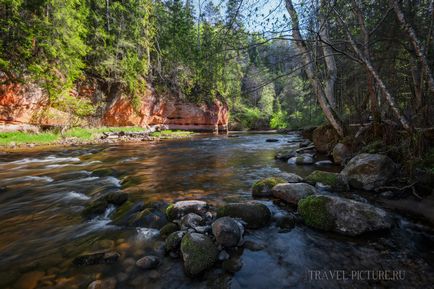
[[48, 137], [171, 133], [85, 134], [24, 137]]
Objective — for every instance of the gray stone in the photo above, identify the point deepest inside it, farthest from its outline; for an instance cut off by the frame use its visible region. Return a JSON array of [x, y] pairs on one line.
[[227, 231], [148, 262], [291, 193], [198, 252]]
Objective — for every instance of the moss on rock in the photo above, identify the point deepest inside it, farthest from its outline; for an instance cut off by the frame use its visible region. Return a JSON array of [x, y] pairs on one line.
[[198, 252], [262, 188], [313, 210], [168, 229]]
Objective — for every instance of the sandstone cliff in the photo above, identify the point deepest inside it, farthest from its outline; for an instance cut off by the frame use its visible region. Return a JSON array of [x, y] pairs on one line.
[[28, 104]]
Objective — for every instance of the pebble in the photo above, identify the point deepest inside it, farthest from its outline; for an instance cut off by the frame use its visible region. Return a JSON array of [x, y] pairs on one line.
[[148, 262]]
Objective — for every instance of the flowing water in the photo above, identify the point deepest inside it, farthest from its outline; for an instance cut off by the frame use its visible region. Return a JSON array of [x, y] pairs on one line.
[[41, 229]]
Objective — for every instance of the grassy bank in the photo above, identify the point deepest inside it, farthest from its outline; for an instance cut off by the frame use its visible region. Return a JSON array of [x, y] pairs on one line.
[[77, 134]]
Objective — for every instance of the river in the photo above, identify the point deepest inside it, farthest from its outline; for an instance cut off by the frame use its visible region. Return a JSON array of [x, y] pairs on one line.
[[41, 229]]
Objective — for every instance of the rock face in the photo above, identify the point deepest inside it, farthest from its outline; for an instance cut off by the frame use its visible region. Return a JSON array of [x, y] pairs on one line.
[[227, 231], [341, 153], [262, 188], [28, 104], [198, 252], [182, 208], [342, 215], [291, 193], [254, 214], [324, 138], [367, 171], [334, 180]]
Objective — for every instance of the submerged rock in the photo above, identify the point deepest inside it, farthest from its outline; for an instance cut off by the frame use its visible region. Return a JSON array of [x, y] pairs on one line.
[[96, 258], [262, 188], [291, 193], [149, 218], [123, 215], [285, 221], [227, 231], [254, 214], [148, 262], [271, 140], [342, 215], [116, 198], [367, 171], [182, 208], [198, 252], [109, 283], [29, 280], [232, 265], [334, 180]]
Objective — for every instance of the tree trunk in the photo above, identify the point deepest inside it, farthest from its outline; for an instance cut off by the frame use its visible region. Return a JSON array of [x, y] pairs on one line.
[[376, 116], [329, 59], [329, 112], [389, 98], [418, 48]]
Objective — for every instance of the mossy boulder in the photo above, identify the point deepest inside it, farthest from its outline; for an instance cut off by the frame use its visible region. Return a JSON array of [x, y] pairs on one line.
[[325, 137], [334, 180], [291, 193], [95, 208], [198, 252], [313, 210], [168, 229], [123, 215], [262, 188], [367, 171], [254, 214], [179, 209], [149, 218], [341, 215]]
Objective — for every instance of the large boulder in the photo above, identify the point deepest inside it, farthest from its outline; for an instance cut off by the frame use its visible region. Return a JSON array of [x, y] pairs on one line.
[[227, 231], [173, 241], [254, 214], [291, 193], [324, 137], [367, 171], [345, 216], [341, 152], [179, 209], [198, 252], [334, 180], [262, 188]]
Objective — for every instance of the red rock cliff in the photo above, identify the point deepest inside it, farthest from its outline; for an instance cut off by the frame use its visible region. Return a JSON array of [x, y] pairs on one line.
[[24, 104]]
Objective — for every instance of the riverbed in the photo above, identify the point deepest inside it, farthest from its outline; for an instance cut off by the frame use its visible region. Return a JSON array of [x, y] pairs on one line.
[[42, 194]]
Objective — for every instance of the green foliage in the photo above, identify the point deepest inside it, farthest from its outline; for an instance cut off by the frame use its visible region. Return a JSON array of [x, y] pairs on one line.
[[279, 120], [263, 187], [7, 138]]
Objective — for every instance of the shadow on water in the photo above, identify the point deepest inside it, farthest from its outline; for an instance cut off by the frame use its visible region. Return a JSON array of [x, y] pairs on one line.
[[41, 229]]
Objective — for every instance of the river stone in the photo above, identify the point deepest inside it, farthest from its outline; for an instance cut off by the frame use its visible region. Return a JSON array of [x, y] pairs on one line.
[[291, 193], [173, 241], [168, 229], [341, 215], [304, 159], [95, 208], [291, 178], [182, 208], [198, 252], [272, 140], [285, 221], [367, 171], [341, 153], [96, 258], [191, 220], [284, 155], [148, 262], [232, 265], [116, 198], [227, 231], [123, 215], [262, 188], [149, 218], [254, 214], [334, 180]]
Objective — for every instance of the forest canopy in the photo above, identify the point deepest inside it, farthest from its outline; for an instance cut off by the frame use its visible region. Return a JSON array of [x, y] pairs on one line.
[[277, 64]]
